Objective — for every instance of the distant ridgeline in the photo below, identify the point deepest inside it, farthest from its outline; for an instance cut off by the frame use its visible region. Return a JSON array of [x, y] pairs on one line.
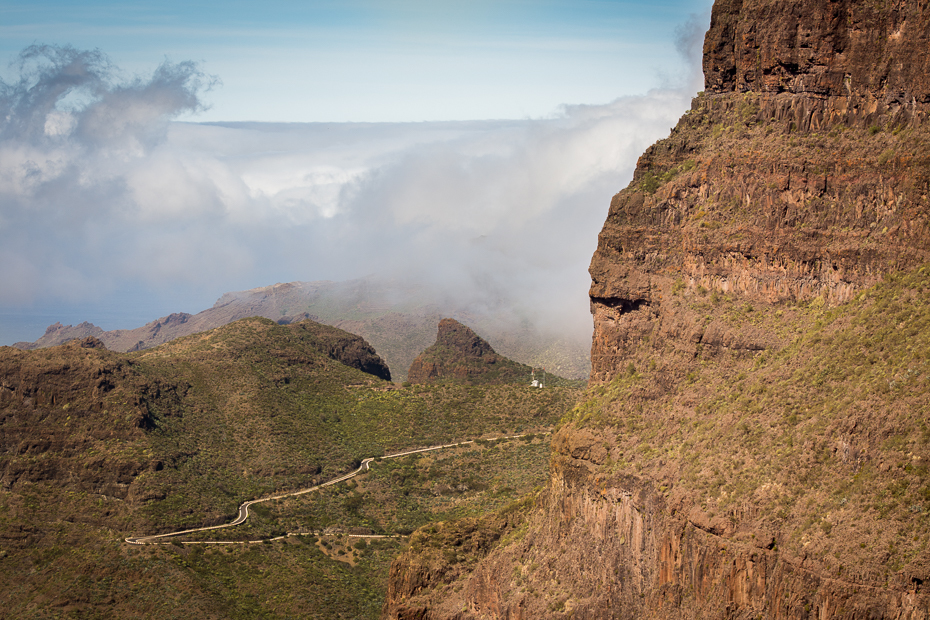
[[396, 317]]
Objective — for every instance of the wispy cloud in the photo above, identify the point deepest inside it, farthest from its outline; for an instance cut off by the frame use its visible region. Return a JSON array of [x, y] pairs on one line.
[[72, 145], [100, 192]]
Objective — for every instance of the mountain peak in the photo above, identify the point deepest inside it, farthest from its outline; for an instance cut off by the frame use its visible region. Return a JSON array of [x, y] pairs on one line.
[[462, 338], [460, 354]]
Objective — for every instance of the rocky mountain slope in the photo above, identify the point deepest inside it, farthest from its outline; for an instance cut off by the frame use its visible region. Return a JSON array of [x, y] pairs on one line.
[[460, 355], [755, 440], [80, 410], [398, 318], [97, 445]]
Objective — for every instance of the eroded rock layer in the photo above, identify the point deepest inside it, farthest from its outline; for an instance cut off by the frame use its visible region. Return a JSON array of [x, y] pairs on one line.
[[754, 442], [803, 171]]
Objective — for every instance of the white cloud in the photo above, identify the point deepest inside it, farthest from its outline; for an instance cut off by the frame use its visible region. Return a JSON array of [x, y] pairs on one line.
[[106, 194]]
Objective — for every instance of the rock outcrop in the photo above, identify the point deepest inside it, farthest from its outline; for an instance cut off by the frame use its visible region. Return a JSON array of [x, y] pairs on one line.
[[747, 449], [459, 354], [346, 348], [55, 409]]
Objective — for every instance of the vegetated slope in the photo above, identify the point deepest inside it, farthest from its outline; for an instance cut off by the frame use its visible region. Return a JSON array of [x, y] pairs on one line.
[[97, 445], [780, 482], [460, 355], [397, 317], [755, 440], [395, 496], [96, 441]]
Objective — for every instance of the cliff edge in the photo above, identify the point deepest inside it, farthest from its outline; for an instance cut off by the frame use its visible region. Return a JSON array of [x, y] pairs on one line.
[[754, 442], [801, 172]]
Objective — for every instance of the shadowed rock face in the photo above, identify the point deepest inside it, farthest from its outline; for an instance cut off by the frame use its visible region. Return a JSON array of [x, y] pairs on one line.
[[799, 178], [39, 395], [459, 354], [349, 349]]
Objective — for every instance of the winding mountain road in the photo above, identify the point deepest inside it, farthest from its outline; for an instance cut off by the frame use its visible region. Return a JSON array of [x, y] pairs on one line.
[[154, 539]]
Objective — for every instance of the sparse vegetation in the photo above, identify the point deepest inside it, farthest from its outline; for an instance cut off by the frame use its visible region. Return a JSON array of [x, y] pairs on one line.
[[792, 431], [185, 432]]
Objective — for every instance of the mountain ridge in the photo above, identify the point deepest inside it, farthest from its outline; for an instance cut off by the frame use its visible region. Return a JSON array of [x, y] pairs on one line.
[[397, 317]]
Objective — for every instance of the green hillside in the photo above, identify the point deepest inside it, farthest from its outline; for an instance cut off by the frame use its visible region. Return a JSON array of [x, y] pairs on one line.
[[97, 446]]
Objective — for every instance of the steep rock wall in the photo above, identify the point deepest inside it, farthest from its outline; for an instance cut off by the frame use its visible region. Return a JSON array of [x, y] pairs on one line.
[[731, 461], [802, 171], [835, 48], [626, 551]]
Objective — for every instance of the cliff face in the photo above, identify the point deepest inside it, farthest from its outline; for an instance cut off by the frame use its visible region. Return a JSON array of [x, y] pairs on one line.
[[852, 50], [754, 439], [801, 172]]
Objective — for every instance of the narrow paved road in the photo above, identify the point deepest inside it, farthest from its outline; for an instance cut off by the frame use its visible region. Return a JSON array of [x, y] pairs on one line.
[[244, 508]]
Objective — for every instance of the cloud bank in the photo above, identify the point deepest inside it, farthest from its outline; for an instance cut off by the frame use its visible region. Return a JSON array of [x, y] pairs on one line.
[[102, 194]]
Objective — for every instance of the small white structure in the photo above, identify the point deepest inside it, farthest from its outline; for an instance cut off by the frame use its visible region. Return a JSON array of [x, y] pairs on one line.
[[537, 383]]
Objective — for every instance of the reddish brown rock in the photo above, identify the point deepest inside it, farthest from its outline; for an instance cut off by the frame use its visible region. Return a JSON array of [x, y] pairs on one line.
[[832, 48], [799, 178], [802, 172]]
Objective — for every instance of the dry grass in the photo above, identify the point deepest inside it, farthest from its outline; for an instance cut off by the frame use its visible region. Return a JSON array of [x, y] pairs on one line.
[[823, 439]]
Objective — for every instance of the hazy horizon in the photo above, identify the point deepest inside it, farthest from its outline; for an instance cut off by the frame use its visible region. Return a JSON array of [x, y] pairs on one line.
[[115, 212]]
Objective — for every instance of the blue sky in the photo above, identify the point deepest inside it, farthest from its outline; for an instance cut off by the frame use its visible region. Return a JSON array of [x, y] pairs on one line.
[[385, 60], [474, 146]]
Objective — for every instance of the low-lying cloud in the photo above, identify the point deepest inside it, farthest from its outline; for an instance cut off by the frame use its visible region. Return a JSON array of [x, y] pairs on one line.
[[101, 193]]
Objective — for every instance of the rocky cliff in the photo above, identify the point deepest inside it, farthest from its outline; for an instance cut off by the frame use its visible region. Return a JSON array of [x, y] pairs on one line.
[[754, 443], [802, 171]]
